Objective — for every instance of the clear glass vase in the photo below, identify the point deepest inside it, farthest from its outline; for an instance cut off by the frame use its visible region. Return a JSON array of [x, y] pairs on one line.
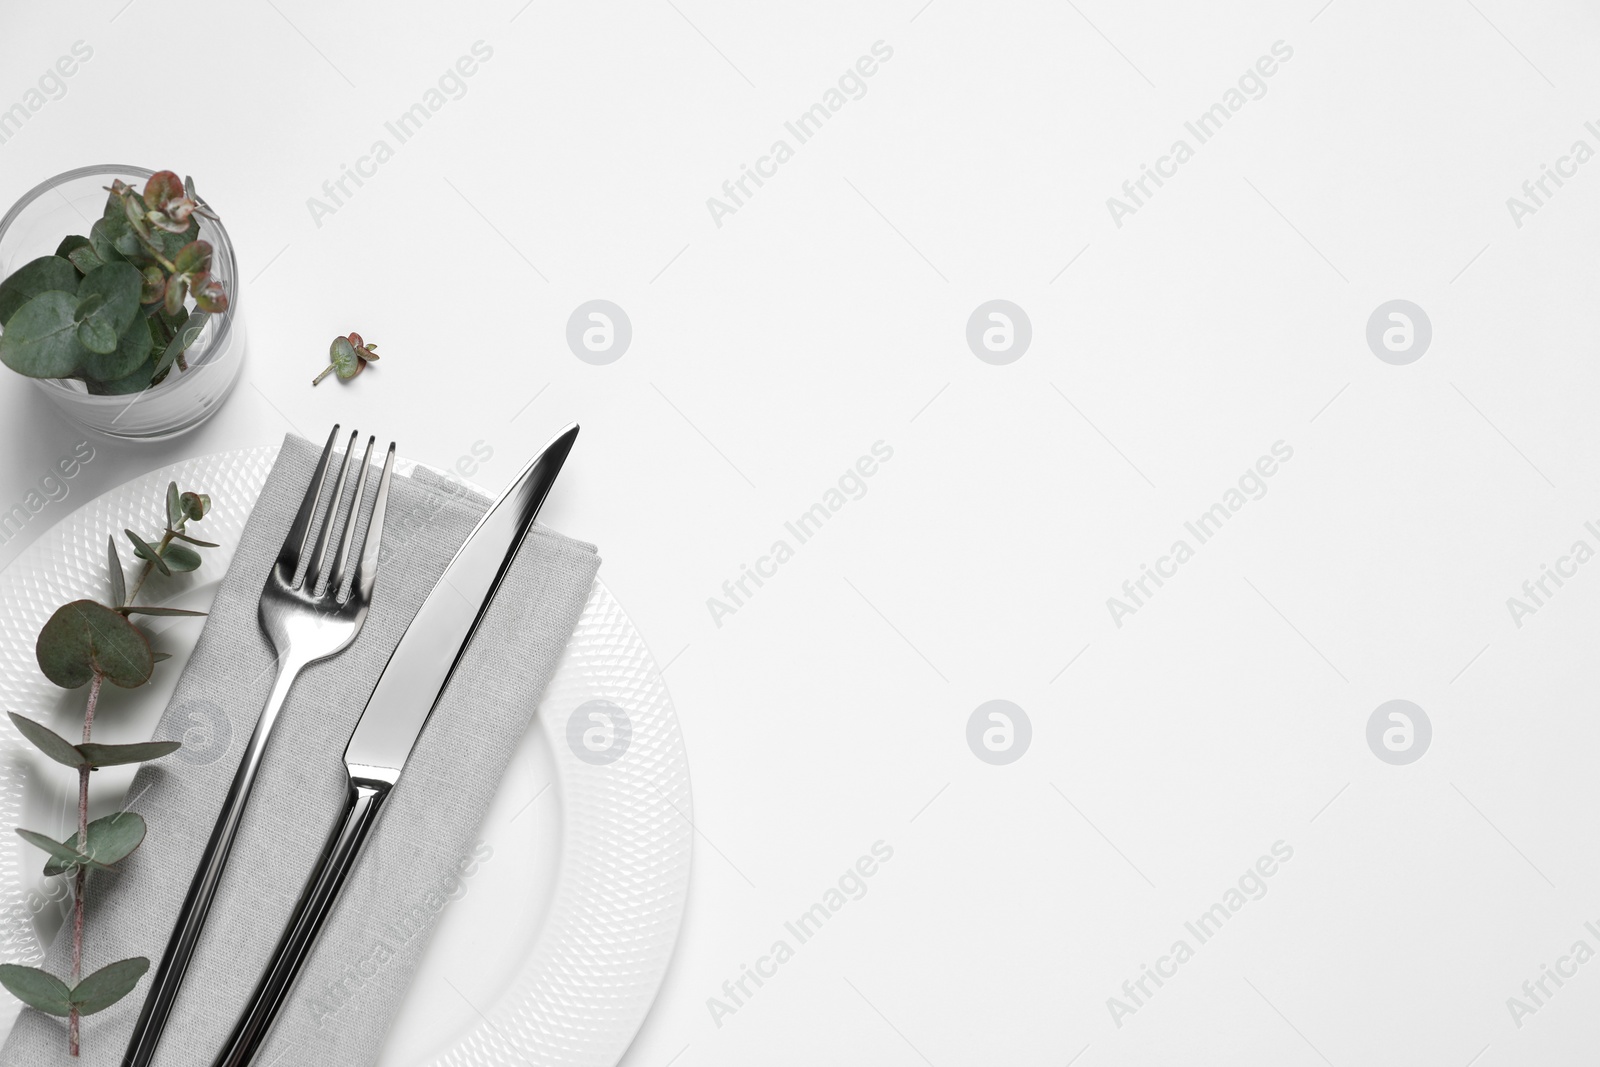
[[68, 204]]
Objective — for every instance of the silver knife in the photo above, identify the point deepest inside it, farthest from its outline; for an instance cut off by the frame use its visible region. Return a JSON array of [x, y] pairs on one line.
[[411, 683]]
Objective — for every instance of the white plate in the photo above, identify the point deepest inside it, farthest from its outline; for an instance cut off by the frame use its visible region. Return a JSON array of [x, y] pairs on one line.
[[560, 937]]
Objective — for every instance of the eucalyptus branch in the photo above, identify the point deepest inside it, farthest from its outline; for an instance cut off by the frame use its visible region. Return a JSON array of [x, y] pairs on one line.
[[86, 642], [348, 357]]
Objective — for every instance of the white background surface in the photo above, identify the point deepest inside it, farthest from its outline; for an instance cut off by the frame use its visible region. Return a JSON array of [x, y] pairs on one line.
[[829, 313]]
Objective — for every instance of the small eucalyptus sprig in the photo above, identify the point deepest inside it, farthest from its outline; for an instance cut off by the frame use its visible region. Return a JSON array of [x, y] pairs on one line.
[[111, 309], [347, 357], [89, 643]]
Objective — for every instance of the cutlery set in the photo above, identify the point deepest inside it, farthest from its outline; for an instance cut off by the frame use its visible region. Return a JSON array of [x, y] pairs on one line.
[[311, 612]]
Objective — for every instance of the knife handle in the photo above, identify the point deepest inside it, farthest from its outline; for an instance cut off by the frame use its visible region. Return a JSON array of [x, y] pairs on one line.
[[363, 798]]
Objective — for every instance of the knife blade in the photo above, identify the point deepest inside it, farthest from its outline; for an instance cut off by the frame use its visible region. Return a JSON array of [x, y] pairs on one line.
[[415, 677], [417, 673]]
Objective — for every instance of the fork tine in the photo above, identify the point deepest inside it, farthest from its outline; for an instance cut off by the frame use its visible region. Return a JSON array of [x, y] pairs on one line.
[[319, 560], [336, 580], [366, 572], [294, 545]]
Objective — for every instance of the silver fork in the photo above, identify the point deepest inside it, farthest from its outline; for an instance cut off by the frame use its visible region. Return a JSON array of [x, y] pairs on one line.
[[306, 621]]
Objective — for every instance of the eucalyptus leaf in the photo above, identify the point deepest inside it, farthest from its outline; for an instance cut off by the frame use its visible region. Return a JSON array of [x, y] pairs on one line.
[[48, 741], [68, 244], [98, 755], [211, 296], [154, 289], [177, 293], [131, 353], [165, 221], [91, 754], [144, 550], [85, 259], [119, 585], [88, 303], [180, 558], [161, 186], [172, 243], [194, 540], [41, 339], [37, 989], [84, 638], [161, 657], [103, 320], [130, 247], [111, 838], [174, 505], [346, 364], [140, 609], [43, 275], [108, 985], [79, 251], [194, 258], [103, 236], [62, 857]]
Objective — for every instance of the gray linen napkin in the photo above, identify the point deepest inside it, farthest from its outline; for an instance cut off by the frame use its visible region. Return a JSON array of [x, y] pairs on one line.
[[354, 981]]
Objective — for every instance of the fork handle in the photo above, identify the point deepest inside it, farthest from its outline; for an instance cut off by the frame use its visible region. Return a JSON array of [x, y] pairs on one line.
[[203, 889], [363, 798]]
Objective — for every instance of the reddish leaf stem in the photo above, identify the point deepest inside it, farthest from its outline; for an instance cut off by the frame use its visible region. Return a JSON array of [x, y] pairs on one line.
[[81, 880]]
